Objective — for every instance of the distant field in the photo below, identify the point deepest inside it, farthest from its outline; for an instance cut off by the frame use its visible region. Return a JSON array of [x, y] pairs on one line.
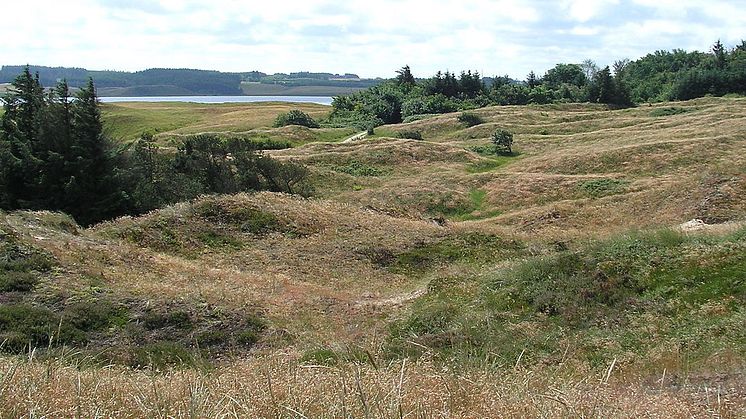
[[4, 87], [263, 89], [126, 121]]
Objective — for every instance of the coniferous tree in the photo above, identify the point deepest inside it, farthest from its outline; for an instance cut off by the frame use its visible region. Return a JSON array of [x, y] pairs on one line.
[[92, 193], [404, 78], [718, 51], [21, 124], [602, 90]]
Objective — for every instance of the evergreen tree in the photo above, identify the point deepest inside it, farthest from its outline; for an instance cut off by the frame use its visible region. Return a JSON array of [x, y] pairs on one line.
[[92, 193], [404, 78], [720, 55], [56, 140], [470, 84], [21, 123], [531, 80], [602, 90], [621, 91]]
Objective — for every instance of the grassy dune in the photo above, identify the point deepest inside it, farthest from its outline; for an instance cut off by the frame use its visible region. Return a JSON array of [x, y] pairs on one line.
[[426, 278]]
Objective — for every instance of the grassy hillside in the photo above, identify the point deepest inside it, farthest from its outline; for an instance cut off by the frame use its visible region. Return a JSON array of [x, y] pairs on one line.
[[426, 278], [169, 120], [579, 170]]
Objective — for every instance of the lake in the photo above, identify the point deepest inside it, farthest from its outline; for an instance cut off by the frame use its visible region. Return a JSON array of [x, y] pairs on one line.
[[322, 100]]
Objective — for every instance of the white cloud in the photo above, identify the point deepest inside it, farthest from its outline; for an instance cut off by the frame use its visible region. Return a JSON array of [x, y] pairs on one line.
[[585, 10], [369, 38]]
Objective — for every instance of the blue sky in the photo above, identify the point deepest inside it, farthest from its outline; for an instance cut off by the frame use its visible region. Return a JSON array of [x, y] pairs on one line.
[[370, 38]]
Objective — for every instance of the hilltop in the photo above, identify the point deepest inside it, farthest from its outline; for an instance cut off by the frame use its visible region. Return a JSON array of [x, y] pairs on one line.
[[426, 277]]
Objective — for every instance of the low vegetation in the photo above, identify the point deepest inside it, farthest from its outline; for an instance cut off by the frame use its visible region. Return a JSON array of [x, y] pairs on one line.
[[295, 117], [625, 298], [423, 278], [470, 119]]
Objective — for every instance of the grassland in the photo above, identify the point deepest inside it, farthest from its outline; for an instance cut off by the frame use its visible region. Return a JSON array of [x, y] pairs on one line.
[[169, 121], [427, 278]]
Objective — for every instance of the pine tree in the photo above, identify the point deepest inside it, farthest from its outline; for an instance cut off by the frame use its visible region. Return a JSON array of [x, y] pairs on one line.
[[603, 90], [21, 123], [404, 78], [718, 50], [55, 141], [92, 192]]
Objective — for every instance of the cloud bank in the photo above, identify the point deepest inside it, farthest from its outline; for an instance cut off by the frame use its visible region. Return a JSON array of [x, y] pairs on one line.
[[372, 39]]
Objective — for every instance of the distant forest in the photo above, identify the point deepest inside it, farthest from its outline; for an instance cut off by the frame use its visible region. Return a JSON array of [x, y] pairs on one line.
[[168, 82]]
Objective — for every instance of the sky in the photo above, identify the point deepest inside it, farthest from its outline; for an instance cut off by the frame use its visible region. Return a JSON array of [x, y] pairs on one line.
[[371, 38]]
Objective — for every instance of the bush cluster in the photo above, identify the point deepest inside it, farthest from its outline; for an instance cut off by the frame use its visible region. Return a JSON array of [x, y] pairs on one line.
[[295, 117]]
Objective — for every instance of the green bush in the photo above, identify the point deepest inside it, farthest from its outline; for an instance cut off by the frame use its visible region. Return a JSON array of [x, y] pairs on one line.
[[295, 117], [92, 315], [483, 150], [503, 141], [20, 266], [17, 281], [410, 134], [470, 119], [597, 188], [157, 320], [22, 325]]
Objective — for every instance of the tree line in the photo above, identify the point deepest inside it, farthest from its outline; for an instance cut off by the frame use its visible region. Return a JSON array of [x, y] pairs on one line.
[[194, 81], [661, 76], [54, 155]]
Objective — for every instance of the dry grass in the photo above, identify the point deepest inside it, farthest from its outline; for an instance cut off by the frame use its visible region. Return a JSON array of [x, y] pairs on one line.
[[676, 167], [275, 386], [317, 276], [316, 281], [128, 120]]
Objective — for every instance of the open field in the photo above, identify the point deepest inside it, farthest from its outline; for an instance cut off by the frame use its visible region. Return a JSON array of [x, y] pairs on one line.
[[169, 120], [426, 278]]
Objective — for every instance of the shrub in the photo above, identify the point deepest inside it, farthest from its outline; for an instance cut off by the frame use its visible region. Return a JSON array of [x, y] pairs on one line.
[[483, 150], [17, 281], [603, 187], [19, 267], [247, 337], [410, 134], [160, 355], [503, 141], [22, 325], [295, 117], [179, 319], [94, 315], [470, 119]]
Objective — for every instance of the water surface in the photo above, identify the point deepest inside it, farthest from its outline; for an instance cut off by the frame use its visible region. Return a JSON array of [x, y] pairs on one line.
[[322, 100]]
